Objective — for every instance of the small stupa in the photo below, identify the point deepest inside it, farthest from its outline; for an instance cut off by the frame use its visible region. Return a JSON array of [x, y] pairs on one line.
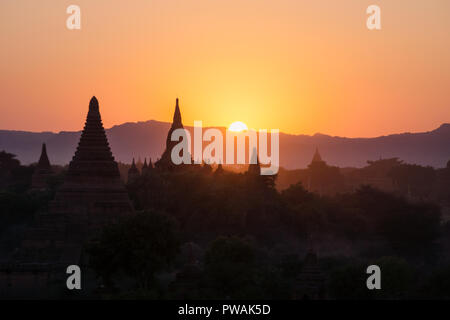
[[42, 171]]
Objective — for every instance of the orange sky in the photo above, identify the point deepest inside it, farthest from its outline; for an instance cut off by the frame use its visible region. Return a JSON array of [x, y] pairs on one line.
[[299, 66]]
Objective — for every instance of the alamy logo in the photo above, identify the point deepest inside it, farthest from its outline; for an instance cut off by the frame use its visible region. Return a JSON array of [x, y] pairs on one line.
[[73, 22], [374, 280], [74, 280], [374, 20], [213, 153]]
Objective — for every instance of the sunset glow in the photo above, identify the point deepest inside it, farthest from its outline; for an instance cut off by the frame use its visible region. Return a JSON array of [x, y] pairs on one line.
[[237, 126], [265, 61], [201, 152]]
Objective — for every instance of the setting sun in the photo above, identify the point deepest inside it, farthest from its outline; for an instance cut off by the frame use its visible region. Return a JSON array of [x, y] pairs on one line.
[[238, 126]]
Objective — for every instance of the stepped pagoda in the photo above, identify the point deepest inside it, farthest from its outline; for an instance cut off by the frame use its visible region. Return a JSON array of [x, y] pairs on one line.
[[92, 194], [93, 178], [165, 163], [42, 171]]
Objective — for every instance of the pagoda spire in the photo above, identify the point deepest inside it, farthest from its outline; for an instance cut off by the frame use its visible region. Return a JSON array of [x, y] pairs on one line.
[[44, 163], [93, 145], [93, 104], [176, 124], [150, 163], [133, 172], [177, 114], [165, 162], [317, 157], [144, 169], [42, 171]]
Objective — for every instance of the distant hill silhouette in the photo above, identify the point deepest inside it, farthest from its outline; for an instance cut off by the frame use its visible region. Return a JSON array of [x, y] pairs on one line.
[[147, 139]]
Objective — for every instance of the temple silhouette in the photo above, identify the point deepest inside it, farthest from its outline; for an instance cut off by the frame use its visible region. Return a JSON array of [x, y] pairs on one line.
[[91, 197], [92, 193], [165, 162], [42, 171], [133, 172]]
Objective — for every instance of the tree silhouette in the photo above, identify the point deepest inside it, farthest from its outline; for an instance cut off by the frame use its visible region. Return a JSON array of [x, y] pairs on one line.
[[138, 247]]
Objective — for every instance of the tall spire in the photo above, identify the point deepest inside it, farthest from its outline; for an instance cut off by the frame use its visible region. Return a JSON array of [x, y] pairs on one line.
[[177, 115], [176, 124], [145, 164], [133, 172], [93, 145], [44, 163], [166, 162], [145, 168], [42, 171], [317, 157], [93, 104]]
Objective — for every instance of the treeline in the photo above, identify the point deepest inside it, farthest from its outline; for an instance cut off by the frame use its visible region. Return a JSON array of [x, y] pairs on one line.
[[422, 182], [229, 235], [18, 204], [201, 233]]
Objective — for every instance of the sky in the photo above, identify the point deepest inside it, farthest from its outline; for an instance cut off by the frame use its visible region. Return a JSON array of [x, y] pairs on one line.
[[299, 66]]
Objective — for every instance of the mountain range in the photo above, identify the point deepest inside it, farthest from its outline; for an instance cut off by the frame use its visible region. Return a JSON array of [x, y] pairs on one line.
[[147, 139]]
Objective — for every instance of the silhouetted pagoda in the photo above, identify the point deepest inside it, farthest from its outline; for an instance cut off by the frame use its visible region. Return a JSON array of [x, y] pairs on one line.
[[42, 171], [254, 173], [165, 162], [144, 167], [150, 164], [139, 164], [92, 194], [322, 178], [317, 158], [133, 172]]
